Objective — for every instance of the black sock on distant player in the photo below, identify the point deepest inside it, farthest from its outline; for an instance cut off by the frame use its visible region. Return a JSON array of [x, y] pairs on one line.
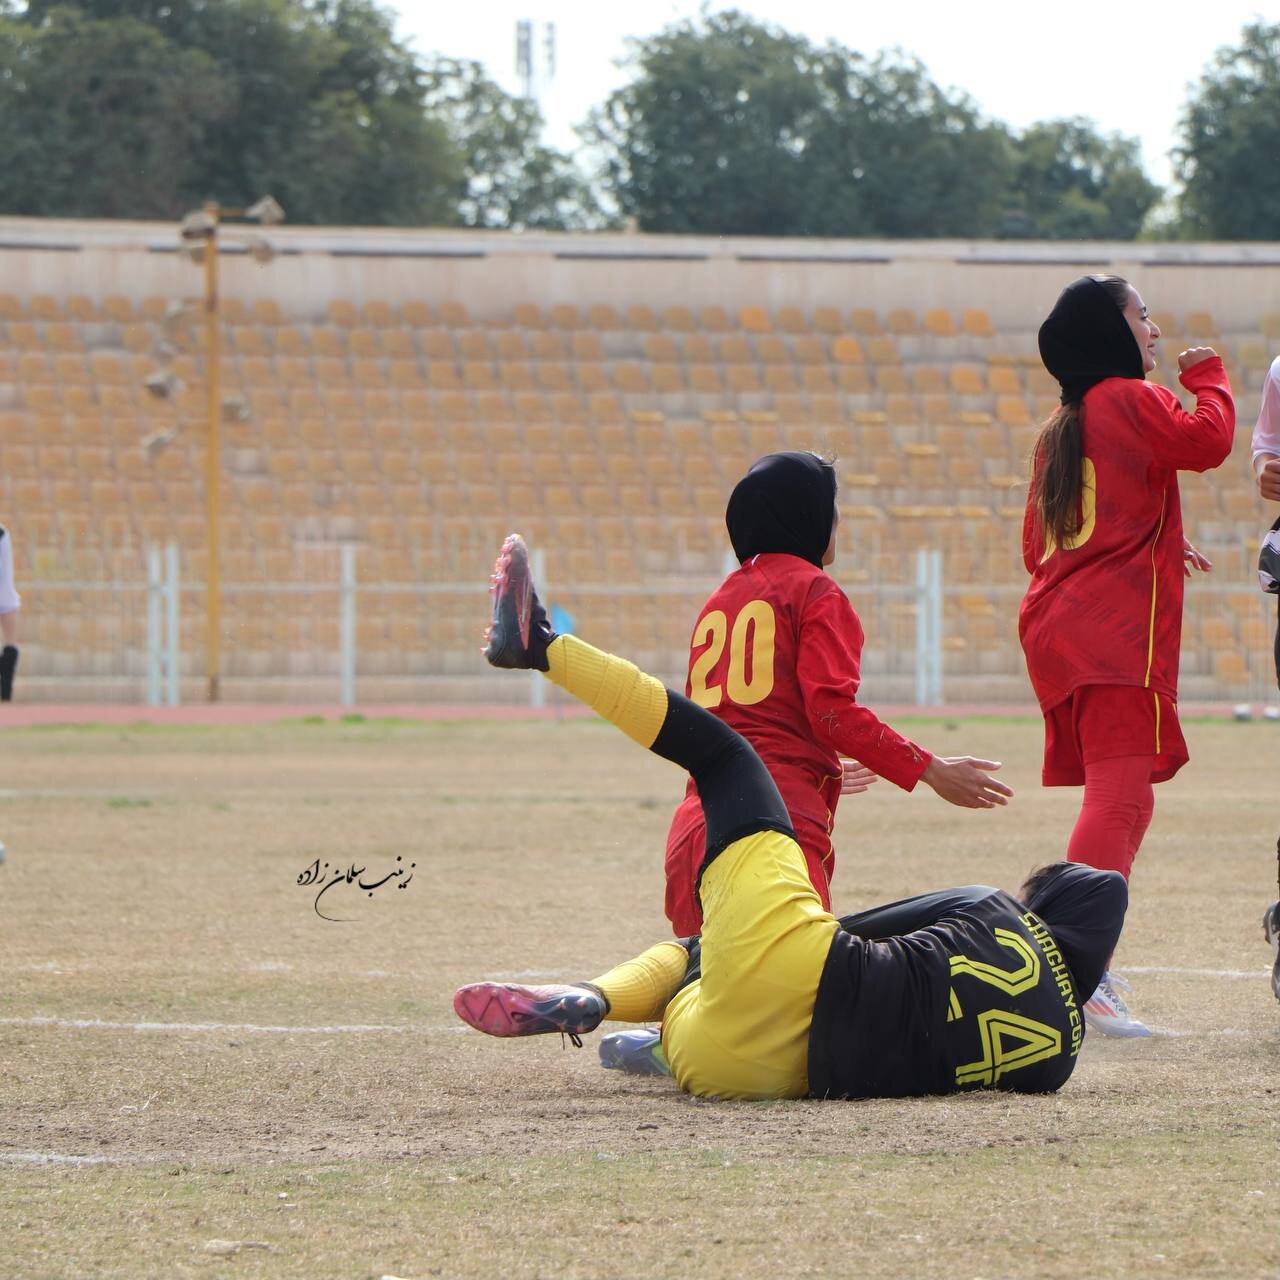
[[8, 665]]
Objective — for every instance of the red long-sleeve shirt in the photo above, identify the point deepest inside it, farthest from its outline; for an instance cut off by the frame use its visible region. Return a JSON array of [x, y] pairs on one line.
[[1107, 609], [776, 653]]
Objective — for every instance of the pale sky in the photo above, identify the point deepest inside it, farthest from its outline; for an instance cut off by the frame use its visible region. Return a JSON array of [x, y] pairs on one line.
[[1125, 65]]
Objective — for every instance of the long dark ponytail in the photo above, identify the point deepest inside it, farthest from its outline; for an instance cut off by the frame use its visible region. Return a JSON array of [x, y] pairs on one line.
[[1059, 453]]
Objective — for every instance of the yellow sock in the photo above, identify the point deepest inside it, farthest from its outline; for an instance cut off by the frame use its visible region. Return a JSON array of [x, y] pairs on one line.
[[639, 990], [612, 686]]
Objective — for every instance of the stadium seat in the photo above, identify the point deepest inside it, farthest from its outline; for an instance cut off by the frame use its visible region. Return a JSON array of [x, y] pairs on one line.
[[603, 318], [678, 319], [417, 315], [661, 348], [342, 313], [736, 349], [939, 323], [528, 315], [715, 319], [864, 322], [754, 319], [364, 342], [977, 323], [641, 318], [453, 315]]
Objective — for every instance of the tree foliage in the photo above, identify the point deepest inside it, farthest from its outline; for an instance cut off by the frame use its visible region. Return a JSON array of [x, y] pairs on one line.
[[730, 125], [144, 108], [1069, 182], [1230, 151]]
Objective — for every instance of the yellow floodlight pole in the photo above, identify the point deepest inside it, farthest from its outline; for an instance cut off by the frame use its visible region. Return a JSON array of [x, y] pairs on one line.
[[213, 457]]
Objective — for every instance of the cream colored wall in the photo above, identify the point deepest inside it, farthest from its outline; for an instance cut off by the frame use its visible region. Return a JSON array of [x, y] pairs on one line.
[[490, 271]]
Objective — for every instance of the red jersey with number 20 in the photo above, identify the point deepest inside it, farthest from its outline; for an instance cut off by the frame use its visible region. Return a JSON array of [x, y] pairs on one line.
[[1106, 608], [776, 654]]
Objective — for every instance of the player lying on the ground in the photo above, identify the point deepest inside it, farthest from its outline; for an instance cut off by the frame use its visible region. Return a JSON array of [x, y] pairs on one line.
[[973, 988]]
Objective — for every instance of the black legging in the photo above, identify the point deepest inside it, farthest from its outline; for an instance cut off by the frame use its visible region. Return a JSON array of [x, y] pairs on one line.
[[739, 797]]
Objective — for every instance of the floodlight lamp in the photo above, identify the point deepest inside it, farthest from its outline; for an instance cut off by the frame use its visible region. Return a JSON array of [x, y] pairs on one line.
[[154, 442], [162, 384], [260, 250], [267, 211], [198, 225], [235, 409]]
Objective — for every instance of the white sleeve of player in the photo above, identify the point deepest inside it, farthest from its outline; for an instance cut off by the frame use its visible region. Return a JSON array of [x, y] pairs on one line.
[[10, 601], [1266, 435]]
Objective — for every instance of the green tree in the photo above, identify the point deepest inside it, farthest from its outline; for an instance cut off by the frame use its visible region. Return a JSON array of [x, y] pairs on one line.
[[101, 118], [1069, 182], [732, 126], [312, 100], [510, 178], [1229, 156]]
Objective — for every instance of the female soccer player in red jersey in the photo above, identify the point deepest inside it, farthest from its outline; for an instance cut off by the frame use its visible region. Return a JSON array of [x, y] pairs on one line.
[[775, 653], [1102, 539]]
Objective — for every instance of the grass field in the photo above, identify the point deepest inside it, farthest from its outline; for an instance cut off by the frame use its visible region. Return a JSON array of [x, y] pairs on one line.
[[201, 1077]]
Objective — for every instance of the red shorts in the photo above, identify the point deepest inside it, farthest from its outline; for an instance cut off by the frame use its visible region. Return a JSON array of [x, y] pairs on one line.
[[1102, 721], [686, 847]]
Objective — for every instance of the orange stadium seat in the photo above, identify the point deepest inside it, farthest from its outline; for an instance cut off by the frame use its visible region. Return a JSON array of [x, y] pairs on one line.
[[827, 320], [754, 319], [864, 322], [678, 319], [453, 315], [641, 318], [661, 348], [771, 349], [602, 317], [547, 345], [364, 342], [977, 323], [378, 315], [565, 315], [342, 313], [528, 315], [715, 319], [586, 346], [417, 315]]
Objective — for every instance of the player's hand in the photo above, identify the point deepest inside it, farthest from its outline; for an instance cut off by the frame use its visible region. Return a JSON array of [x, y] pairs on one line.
[[1192, 559], [1193, 356], [964, 781], [855, 777], [1269, 479]]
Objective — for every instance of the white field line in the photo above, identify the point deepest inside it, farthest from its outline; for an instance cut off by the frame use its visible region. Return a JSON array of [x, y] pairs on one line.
[[53, 1157], [98, 1024]]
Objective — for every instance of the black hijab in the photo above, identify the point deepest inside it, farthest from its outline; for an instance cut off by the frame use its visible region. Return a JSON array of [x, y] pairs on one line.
[[1086, 338], [785, 504]]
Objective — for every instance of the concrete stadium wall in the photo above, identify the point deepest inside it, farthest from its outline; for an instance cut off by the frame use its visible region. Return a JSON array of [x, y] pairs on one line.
[[489, 271]]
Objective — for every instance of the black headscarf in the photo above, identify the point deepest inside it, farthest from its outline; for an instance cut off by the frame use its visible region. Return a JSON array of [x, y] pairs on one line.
[[784, 504], [1084, 911], [1086, 338]]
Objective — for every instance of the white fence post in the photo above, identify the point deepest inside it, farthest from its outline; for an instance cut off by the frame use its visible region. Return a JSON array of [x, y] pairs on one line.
[[347, 624], [155, 638], [172, 646], [928, 628]]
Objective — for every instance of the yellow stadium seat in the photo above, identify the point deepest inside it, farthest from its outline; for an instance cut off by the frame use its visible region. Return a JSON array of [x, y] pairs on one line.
[[378, 315], [667, 379], [553, 375], [42, 306], [564, 315], [925, 378], [705, 379], [736, 349], [591, 376], [902, 321], [342, 313], [511, 345], [1012, 411], [882, 349], [629, 378], [715, 319], [249, 340], [864, 322], [547, 345], [517, 375], [754, 319], [586, 346], [742, 379], [853, 379], [780, 380], [453, 315], [602, 317], [641, 318], [417, 315], [26, 336], [966, 380], [977, 323], [1004, 380], [678, 319], [698, 348], [809, 349], [329, 342], [827, 320], [365, 343], [528, 315], [847, 351], [771, 349], [479, 375], [892, 378], [661, 348], [939, 323], [266, 311], [79, 307]]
